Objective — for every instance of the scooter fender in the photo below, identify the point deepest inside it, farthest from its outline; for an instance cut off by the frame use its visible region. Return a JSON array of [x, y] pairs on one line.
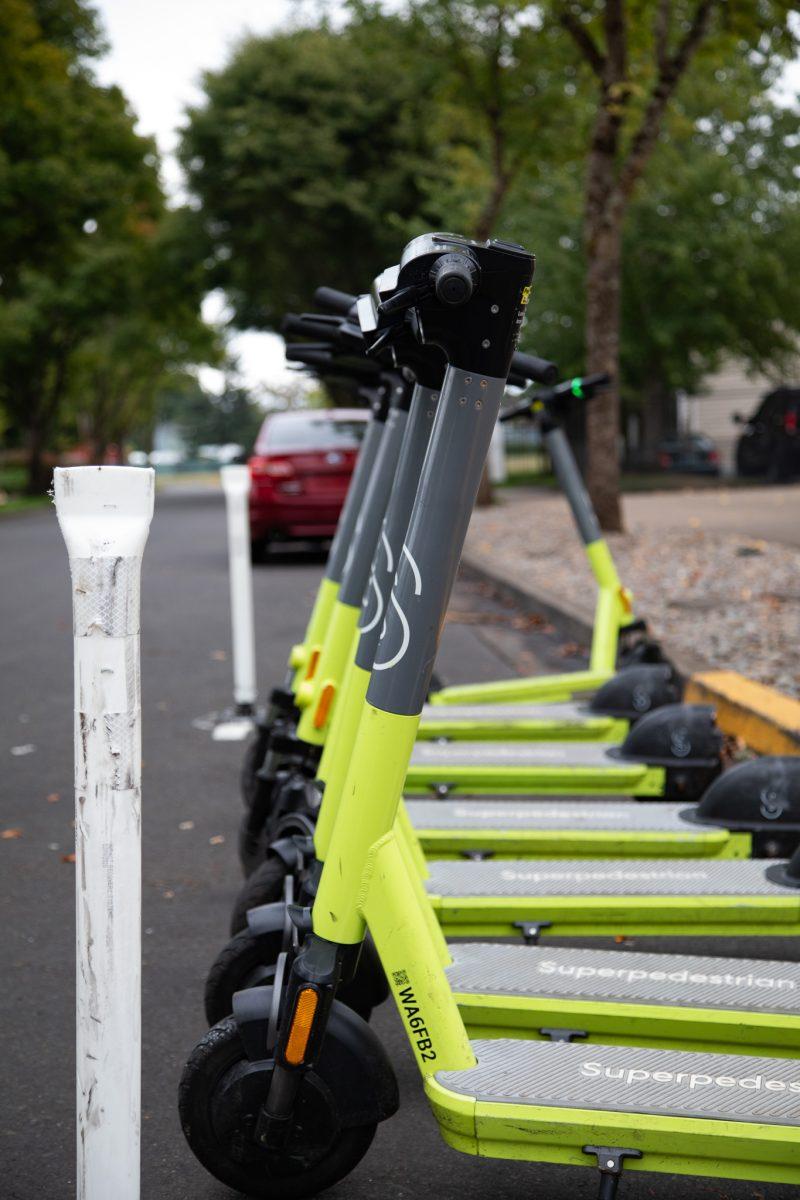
[[352, 1062], [634, 691], [268, 919], [761, 797]]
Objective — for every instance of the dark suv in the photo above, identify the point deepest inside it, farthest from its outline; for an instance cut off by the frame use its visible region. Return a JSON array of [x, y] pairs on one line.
[[770, 441]]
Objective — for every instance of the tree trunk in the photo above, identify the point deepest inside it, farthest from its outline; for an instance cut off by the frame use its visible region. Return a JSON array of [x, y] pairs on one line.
[[39, 473], [603, 283]]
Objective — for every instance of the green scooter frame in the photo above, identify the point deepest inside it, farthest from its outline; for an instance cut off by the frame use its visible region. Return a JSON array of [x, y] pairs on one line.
[[444, 718], [602, 1106], [613, 611]]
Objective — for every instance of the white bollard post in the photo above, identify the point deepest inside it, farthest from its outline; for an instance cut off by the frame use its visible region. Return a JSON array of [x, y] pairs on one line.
[[104, 514], [496, 462], [236, 485]]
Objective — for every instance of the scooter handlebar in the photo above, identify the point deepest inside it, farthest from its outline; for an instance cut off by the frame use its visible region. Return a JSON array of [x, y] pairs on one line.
[[304, 326], [581, 387], [334, 301], [537, 370]]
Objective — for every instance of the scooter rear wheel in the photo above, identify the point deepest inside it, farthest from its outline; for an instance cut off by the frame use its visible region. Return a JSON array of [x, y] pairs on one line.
[[246, 961], [254, 753], [250, 960], [220, 1095], [264, 886]]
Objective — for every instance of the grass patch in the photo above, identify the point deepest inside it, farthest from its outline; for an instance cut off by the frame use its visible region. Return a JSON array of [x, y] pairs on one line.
[[12, 492]]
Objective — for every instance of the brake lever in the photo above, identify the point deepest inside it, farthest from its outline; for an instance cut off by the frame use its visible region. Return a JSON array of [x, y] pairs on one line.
[[406, 298]]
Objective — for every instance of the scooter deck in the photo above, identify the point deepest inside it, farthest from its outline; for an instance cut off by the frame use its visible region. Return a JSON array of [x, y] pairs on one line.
[[538, 767], [730, 1005], [508, 722], [563, 828], [694, 1113], [618, 898], [533, 689]]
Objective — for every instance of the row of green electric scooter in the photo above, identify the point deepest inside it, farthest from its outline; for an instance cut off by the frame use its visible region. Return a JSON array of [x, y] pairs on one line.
[[381, 816]]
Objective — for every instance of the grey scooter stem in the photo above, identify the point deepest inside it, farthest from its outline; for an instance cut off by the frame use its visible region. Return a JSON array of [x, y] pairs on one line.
[[395, 524], [354, 500], [430, 554], [572, 485], [373, 508]]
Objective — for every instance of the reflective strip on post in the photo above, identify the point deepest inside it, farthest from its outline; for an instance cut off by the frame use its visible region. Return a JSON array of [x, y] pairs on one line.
[[236, 486], [104, 514]]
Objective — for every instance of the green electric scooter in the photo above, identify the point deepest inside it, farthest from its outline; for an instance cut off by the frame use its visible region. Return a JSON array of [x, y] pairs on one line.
[[282, 1098], [672, 753], [293, 750]]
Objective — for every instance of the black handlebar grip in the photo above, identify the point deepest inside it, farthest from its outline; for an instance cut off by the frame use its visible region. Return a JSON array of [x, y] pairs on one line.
[[333, 301], [305, 327], [538, 370], [308, 352]]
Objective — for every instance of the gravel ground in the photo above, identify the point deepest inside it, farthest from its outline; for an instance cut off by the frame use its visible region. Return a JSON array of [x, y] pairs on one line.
[[717, 599]]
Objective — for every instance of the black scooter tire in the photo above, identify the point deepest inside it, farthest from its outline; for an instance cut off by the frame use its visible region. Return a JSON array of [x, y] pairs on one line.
[[264, 885], [256, 1173], [254, 754], [235, 968]]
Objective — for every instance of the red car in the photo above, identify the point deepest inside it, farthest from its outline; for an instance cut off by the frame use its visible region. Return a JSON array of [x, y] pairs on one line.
[[300, 471]]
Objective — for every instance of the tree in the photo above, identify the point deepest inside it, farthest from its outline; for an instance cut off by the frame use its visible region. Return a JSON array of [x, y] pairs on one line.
[[639, 52], [204, 419], [497, 102], [711, 246], [311, 157], [133, 347], [81, 221]]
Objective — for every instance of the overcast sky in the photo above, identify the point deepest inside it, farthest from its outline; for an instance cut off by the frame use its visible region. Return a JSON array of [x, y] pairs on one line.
[[158, 51]]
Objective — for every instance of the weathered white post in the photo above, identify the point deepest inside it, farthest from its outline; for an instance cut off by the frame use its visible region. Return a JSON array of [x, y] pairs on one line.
[[236, 485], [104, 514], [496, 461]]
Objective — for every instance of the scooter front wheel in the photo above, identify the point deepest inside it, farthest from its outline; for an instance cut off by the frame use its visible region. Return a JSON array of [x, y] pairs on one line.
[[220, 1097]]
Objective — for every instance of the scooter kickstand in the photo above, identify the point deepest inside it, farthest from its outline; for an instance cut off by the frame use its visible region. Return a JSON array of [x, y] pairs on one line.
[[610, 1161], [531, 930]]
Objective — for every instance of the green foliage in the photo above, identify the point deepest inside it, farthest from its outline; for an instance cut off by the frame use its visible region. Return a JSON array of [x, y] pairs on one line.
[[312, 158], [318, 152], [99, 287], [203, 419]]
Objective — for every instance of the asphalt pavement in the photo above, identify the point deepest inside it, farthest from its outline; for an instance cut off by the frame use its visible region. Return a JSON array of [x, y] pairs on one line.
[[191, 809]]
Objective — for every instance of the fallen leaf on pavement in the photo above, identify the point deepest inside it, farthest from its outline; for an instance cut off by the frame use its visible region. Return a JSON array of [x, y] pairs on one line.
[[216, 840], [8, 834], [68, 857], [53, 798], [186, 825]]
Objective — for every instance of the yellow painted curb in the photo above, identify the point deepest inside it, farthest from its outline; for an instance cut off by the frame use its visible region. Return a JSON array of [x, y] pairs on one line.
[[762, 717]]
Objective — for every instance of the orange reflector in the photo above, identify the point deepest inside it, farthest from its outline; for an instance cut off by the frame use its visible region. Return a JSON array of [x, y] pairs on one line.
[[302, 1022], [626, 599], [323, 705], [312, 664]]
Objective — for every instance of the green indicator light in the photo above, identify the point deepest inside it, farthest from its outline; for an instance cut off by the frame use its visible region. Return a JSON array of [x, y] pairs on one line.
[[577, 390]]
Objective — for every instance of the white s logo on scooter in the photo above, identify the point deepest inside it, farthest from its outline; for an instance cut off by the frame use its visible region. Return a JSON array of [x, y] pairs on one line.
[[404, 625]]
